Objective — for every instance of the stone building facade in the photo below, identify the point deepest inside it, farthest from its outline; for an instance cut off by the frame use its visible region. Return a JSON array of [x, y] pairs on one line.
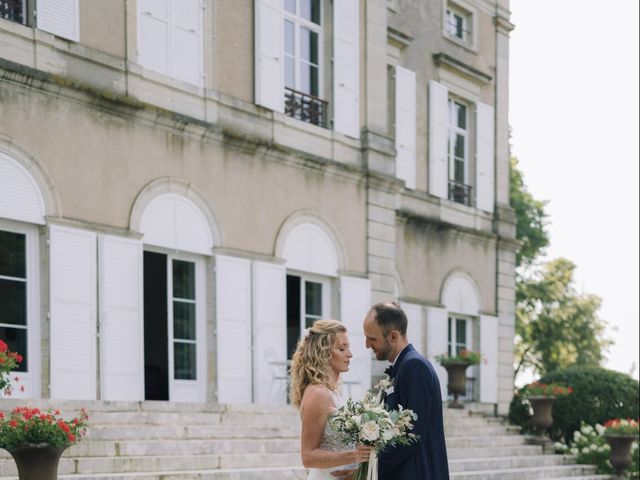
[[186, 185]]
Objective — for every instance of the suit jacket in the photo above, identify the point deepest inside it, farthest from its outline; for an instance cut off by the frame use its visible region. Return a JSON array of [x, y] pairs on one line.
[[416, 386]]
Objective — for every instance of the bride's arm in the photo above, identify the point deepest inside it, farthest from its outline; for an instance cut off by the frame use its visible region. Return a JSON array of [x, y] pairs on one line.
[[315, 409]]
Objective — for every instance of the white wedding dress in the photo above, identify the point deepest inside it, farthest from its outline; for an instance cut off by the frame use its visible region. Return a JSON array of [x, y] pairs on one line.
[[335, 442]]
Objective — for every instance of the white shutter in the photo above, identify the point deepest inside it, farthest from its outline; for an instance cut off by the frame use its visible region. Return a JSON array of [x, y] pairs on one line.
[[269, 330], [73, 313], [406, 126], [485, 157], [60, 17], [153, 35], [121, 319], [346, 67], [437, 328], [414, 326], [269, 52], [186, 54], [20, 197], [355, 302], [233, 317], [489, 364], [438, 139]]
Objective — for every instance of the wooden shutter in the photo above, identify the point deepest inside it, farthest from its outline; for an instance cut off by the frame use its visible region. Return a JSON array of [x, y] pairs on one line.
[[121, 319], [73, 313], [186, 54], [406, 126], [414, 326], [489, 365], [346, 67], [485, 157], [60, 17], [153, 35], [269, 328], [437, 328], [355, 302], [20, 196], [269, 52], [438, 139], [233, 317]]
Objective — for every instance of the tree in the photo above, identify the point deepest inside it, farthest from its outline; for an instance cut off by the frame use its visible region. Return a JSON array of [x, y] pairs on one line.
[[556, 326]]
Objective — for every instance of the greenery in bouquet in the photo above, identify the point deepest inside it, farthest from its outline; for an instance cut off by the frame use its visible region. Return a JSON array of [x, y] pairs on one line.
[[621, 427], [367, 422], [32, 426], [8, 362], [537, 389], [467, 356]]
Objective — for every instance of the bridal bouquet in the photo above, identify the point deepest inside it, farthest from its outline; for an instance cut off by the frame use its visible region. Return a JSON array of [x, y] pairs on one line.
[[367, 422]]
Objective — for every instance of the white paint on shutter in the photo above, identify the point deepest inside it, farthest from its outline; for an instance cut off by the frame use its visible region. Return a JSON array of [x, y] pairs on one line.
[[346, 67], [489, 364], [485, 157], [414, 325], [269, 332], [73, 313], [20, 196], [269, 54], [121, 319], [309, 249], [153, 35], [355, 303], [438, 139], [187, 39], [60, 17], [406, 126], [233, 320], [437, 328]]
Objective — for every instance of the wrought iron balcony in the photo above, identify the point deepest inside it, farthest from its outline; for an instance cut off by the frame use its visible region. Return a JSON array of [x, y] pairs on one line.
[[460, 193], [305, 107], [14, 11]]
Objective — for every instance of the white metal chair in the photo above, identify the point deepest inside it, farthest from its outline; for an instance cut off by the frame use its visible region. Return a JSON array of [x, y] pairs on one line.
[[279, 377]]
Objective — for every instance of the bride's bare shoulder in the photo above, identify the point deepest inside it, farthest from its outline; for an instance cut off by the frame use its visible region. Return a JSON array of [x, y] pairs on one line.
[[316, 397]]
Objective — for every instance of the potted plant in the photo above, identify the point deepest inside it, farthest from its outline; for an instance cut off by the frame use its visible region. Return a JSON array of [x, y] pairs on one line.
[[541, 397], [620, 434], [8, 361], [456, 366]]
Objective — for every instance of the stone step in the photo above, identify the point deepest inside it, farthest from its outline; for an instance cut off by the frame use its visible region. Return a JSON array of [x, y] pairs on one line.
[[530, 473], [481, 441], [507, 462], [478, 430], [180, 432], [502, 451]]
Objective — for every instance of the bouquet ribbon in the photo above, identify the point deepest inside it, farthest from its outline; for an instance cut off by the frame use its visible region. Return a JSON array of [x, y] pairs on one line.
[[372, 470]]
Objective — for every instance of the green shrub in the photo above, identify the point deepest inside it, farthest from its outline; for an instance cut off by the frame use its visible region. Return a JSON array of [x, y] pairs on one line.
[[598, 395]]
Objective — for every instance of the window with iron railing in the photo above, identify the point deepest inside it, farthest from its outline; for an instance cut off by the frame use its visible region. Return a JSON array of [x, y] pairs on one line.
[[460, 193], [458, 150], [14, 10], [305, 107]]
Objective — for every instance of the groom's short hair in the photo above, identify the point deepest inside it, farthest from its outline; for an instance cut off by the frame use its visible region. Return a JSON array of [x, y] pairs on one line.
[[389, 316]]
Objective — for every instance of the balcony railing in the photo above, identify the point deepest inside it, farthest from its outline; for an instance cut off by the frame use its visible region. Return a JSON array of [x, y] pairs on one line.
[[305, 107], [460, 193], [13, 10]]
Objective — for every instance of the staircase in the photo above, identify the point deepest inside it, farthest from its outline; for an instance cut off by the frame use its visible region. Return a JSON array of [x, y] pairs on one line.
[[169, 441]]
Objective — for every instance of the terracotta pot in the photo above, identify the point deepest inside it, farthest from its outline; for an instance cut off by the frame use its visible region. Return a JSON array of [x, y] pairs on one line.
[[620, 457], [542, 418], [457, 383], [37, 462]]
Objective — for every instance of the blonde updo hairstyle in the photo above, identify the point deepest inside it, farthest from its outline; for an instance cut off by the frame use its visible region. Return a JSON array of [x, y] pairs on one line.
[[311, 361]]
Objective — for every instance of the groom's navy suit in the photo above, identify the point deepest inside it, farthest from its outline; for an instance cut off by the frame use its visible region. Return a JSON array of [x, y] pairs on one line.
[[416, 387]]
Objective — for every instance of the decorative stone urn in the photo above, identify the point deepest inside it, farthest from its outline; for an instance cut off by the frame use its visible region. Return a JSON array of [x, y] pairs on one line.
[[620, 457], [457, 383], [37, 462], [542, 419]]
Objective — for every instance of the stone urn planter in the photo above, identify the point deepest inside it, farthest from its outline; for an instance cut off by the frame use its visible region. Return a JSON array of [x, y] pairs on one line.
[[542, 419], [457, 383], [620, 457], [37, 462]]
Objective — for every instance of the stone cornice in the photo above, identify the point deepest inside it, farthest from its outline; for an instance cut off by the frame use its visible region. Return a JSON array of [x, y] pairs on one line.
[[398, 38], [451, 62], [503, 25]]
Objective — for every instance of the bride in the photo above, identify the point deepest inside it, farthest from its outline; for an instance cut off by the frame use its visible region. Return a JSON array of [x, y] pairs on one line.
[[319, 359]]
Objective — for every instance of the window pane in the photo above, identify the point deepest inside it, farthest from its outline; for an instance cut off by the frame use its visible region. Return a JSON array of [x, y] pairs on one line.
[[310, 10], [290, 6], [313, 298], [12, 254], [309, 46], [16, 339], [461, 332], [449, 336], [289, 72], [184, 361], [459, 26], [184, 320], [289, 40], [461, 116], [459, 147], [13, 10], [309, 79], [458, 172], [13, 302], [184, 280]]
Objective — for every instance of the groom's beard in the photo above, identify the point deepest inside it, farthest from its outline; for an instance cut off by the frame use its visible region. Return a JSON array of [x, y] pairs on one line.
[[385, 352]]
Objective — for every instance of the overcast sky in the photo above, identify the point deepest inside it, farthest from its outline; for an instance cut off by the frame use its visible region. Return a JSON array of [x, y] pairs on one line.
[[574, 114]]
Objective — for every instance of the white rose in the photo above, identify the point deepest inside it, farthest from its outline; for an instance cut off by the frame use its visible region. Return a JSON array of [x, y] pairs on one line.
[[387, 435], [356, 419], [370, 431]]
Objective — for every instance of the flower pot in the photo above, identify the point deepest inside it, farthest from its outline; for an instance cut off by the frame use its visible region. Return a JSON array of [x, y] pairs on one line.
[[457, 383], [620, 452], [37, 462], [542, 418]]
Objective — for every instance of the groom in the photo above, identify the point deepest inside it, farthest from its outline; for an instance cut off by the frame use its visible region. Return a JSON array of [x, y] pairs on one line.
[[416, 387]]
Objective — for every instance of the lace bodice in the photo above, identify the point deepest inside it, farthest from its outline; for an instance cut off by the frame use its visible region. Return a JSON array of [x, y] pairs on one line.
[[334, 441]]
